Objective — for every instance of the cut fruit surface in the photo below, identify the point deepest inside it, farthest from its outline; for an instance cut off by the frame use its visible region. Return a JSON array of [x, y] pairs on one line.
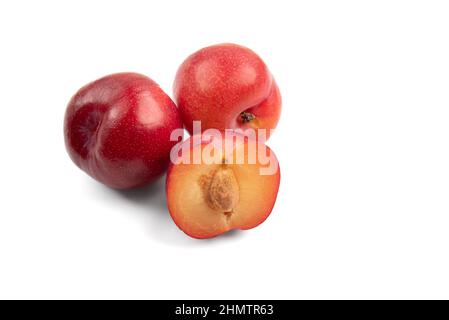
[[209, 199]]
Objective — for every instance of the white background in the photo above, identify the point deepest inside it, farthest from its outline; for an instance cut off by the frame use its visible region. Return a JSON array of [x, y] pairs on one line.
[[363, 207]]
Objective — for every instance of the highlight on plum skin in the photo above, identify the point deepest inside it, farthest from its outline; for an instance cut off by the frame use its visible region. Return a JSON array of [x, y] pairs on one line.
[[209, 198], [227, 86]]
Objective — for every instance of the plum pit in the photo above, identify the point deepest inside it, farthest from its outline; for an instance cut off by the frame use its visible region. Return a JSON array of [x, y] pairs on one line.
[[220, 189]]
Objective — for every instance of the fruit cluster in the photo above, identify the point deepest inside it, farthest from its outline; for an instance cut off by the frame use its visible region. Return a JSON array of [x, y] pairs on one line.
[[125, 132]]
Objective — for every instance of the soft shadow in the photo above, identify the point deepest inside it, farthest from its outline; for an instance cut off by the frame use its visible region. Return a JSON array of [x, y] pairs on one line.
[[150, 204], [152, 196], [153, 204]]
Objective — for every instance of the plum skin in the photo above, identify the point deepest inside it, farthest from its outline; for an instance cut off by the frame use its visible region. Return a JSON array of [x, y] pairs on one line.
[[117, 129], [227, 86]]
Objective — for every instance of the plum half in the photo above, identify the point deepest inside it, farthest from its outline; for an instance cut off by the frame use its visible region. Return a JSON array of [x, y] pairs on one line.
[[230, 188]]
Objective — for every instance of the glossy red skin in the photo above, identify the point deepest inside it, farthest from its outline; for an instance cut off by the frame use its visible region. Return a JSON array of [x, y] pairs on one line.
[[117, 129], [216, 84]]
